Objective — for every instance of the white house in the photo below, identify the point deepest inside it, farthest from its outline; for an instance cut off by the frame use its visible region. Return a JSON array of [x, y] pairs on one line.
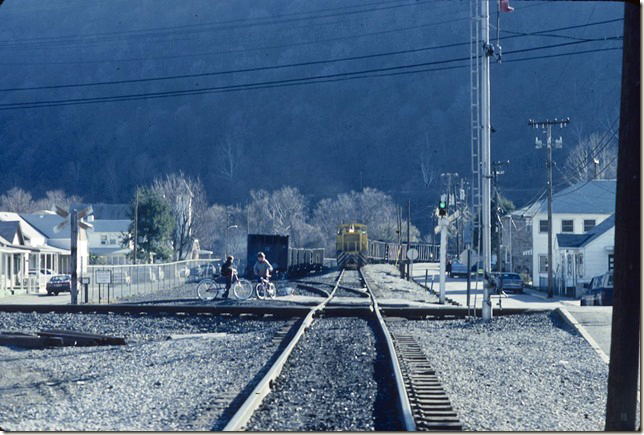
[[580, 257], [105, 240], [44, 222], [575, 210], [26, 261]]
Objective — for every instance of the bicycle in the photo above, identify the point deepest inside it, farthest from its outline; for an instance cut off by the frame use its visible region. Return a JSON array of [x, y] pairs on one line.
[[209, 289], [265, 289]]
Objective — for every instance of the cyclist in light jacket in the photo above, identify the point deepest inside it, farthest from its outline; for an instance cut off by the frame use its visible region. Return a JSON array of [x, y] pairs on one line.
[[262, 267]]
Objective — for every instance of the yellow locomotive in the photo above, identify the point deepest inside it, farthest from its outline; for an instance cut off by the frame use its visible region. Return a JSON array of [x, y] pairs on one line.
[[351, 246]]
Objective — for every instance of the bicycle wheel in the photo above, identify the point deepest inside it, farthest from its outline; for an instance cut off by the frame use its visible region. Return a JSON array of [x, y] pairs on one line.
[[271, 291], [242, 289], [259, 291], [207, 290]]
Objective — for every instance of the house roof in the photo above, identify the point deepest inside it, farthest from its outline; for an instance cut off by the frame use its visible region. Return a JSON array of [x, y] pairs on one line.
[[104, 211], [114, 250], [586, 197], [581, 240], [45, 223], [111, 226], [28, 231], [9, 230]]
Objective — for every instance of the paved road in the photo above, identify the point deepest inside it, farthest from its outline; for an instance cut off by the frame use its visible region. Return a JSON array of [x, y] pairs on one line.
[[43, 298]]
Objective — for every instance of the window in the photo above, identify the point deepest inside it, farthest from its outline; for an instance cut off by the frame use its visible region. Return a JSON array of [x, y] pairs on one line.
[[611, 262], [543, 263], [543, 226], [104, 240], [589, 224], [112, 240], [567, 226]]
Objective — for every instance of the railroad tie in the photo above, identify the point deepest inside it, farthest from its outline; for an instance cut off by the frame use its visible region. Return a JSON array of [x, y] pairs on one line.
[[431, 408]]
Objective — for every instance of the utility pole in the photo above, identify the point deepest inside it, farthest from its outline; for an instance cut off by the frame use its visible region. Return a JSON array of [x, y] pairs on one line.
[[408, 233], [497, 218], [399, 252], [623, 370], [136, 224], [74, 255], [486, 125], [547, 125]]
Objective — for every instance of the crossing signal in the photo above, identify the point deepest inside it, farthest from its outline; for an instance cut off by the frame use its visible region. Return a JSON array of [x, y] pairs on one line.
[[442, 208]]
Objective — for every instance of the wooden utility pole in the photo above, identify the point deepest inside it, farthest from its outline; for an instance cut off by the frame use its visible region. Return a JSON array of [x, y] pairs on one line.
[[621, 406], [497, 219], [547, 125]]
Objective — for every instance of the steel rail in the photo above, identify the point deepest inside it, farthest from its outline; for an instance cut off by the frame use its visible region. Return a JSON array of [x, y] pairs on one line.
[[404, 406], [244, 413], [300, 310]]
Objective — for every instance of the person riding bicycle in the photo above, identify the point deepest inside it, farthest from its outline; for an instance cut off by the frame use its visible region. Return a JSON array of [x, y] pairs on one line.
[[229, 273], [262, 267]]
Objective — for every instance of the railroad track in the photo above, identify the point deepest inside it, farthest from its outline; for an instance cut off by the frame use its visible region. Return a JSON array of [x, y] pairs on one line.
[[420, 401]]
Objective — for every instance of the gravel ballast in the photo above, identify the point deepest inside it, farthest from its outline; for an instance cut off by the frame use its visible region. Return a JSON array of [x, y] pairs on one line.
[[386, 283], [150, 384], [329, 383], [527, 372]]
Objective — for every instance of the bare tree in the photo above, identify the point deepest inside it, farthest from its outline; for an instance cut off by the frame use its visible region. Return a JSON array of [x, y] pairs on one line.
[[187, 200], [229, 153], [17, 200], [594, 157], [55, 198]]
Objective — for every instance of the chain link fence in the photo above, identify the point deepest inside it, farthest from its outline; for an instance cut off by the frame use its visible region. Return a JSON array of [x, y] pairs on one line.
[[141, 282]]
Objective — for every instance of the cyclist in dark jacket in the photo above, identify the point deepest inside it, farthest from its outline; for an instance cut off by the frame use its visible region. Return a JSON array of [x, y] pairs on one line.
[[228, 272]]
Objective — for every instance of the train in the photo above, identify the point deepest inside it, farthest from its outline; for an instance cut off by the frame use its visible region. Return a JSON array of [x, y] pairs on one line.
[[354, 249], [286, 260], [351, 246]]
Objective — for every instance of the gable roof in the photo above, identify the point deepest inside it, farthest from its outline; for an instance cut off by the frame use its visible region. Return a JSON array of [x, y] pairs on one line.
[[581, 240], [585, 197], [9, 230], [45, 223]]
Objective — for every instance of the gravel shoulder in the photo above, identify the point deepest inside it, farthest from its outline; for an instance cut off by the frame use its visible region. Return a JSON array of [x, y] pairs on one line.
[[386, 283], [150, 384], [517, 373]]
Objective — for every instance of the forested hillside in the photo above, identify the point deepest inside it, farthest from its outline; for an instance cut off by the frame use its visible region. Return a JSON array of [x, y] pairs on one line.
[[101, 96]]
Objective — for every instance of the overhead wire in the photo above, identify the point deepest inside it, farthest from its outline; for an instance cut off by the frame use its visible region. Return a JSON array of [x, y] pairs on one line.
[[539, 33], [248, 86], [300, 64]]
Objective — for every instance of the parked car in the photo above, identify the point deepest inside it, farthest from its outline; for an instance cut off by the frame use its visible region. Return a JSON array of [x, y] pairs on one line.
[[202, 271], [509, 282], [600, 291], [458, 269], [59, 283]]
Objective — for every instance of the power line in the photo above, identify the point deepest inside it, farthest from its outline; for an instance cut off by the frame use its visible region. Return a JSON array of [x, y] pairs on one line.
[[300, 64], [167, 31], [263, 85], [543, 32]]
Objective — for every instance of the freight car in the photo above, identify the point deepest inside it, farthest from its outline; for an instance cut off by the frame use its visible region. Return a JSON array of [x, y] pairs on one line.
[[284, 259]]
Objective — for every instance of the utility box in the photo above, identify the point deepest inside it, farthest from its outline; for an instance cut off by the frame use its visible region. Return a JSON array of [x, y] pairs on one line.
[[273, 246]]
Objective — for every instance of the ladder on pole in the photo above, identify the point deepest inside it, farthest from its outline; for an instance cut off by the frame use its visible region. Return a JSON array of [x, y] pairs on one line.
[[475, 118]]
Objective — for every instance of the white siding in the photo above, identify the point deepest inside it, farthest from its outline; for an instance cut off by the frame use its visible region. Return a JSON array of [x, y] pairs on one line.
[[596, 254], [540, 240]]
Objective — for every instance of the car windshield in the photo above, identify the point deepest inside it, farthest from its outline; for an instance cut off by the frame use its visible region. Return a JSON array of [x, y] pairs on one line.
[[59, 278]]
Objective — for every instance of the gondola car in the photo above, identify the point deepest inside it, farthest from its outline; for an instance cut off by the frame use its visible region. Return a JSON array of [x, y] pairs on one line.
[[351, 246]]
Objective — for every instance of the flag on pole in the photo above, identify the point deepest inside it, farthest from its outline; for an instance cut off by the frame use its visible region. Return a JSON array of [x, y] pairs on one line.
[[505, 6]]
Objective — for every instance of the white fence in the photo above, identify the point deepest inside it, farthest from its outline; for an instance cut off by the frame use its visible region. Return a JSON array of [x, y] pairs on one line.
[[119, 283]]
